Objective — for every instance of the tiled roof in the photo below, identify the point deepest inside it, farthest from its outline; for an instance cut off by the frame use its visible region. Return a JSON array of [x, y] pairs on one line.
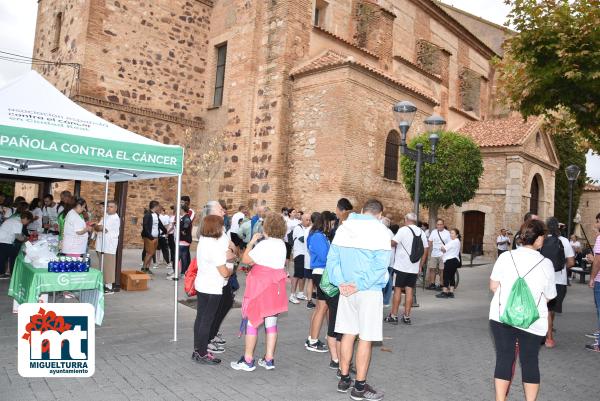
[[331, 58], [509, 131], [592, 188], [341, 39]]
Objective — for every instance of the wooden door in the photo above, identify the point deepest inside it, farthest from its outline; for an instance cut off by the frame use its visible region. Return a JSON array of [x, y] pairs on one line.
[[474, 224]]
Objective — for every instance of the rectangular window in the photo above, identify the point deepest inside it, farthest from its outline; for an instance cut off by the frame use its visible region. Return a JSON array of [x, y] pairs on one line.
[[57, 27], [220, 78], [320, 8]]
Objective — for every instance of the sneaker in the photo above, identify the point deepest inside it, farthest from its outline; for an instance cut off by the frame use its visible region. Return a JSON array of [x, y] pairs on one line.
[[442, 295], [108, 291], [293, 299], [344, 386], [391, 320], [243, 365], [368, 393], [301, 296], [310, 305], [431, 287], [215, 348], [68, 295], [317, 346], [208, 359], [593, 347], [4, 276], [438, 287], [269, 365], [550, 343], [334, 365], [415, 305], [386, 306], [155, 266], [594, 335], [450, 295], [219, 339], [406, 320]]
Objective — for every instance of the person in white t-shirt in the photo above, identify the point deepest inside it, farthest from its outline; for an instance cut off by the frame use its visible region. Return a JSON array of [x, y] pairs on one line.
[[11, 230], [36, 211], [405, 271], [265, 293], [452, 261], [299, 253], [236, 219], [437, 238], [211, 257], [502, 242], [538, 272], [76, 231], [560, 277], [107, 242], [50, 215]]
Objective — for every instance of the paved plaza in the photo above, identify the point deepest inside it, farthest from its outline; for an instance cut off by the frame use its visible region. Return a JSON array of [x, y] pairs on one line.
[[446, 354]]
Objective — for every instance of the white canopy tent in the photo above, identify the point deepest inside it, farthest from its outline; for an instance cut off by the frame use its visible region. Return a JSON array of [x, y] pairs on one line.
[[45, 134]]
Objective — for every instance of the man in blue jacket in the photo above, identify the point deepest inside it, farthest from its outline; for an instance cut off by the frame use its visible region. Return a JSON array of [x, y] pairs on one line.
[[358, 264]]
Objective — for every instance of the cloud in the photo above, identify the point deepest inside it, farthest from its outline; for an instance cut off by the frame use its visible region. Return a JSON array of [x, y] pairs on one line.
[[17, 33]]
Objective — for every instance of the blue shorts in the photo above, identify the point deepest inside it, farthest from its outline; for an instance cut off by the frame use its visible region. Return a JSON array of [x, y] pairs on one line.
[[308, 273]]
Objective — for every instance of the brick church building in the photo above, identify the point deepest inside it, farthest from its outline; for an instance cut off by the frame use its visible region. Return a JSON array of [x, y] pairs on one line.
[[301, 91]]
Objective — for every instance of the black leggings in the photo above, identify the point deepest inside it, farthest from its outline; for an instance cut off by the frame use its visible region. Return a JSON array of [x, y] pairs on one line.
[[224, 307], [450, 267], [171, 242], [332, 305], [505, 340], [163, 245], [206, 311]]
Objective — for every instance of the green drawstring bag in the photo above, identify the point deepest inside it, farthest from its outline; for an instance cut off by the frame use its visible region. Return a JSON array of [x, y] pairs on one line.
[[328, 288], [520, 310]]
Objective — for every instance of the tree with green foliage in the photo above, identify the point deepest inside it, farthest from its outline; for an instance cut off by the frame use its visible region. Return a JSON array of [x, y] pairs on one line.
[[452, 179], [571, 149], [553, 61]]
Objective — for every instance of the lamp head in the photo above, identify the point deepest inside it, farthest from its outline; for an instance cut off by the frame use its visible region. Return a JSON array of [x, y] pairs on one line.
[[572, 172], [404, 112], [434, 123]]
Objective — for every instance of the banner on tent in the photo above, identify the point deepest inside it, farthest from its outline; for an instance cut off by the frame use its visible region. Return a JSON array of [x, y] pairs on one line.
[[24, 143]]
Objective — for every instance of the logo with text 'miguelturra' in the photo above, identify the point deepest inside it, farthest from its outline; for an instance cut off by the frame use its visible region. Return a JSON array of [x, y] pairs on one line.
[[56, 340]]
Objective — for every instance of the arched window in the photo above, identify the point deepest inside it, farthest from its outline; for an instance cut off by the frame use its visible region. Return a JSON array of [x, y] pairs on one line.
[[392, 148], [535, 195]]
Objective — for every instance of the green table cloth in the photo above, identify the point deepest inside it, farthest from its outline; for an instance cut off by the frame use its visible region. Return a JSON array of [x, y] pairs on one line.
[[27, 283]]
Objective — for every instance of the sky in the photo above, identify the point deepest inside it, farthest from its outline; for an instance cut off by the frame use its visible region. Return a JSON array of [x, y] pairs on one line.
[[17, 32]]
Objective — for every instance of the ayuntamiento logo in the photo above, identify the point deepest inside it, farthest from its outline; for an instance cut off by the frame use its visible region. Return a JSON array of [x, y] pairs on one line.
[[56, 340]]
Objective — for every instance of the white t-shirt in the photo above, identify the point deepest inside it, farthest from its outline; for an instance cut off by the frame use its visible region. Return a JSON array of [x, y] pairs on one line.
[[452, 249], [212, 252], [269, 252], [9, 230], [291, 224], [51, 212], [540, 281], [436, 246], [502, 247], [165, 219], [561, 276], [404, 239], [300, 247], [73, 242], [111, 224], [154, 232], [36, 225], [393, 253], [235, 222]]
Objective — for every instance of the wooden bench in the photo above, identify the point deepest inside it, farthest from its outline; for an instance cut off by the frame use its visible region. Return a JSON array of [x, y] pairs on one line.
[[582, 272]]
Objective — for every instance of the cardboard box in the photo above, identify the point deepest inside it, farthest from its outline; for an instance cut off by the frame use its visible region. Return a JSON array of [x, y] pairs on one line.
[[134, 280]]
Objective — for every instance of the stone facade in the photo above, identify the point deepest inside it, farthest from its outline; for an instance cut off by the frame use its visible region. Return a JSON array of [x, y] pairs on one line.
[[308, 89], [589, 207]]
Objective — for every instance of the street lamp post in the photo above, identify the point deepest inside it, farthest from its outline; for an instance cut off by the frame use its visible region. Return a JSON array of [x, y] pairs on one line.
[[405, 112], [572, 172]]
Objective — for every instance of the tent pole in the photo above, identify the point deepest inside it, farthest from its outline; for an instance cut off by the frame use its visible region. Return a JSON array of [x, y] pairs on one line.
[[104, 223], [176, 259]]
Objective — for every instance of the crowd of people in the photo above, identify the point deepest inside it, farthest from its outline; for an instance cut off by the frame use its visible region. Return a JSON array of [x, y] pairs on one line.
[[346, 266]]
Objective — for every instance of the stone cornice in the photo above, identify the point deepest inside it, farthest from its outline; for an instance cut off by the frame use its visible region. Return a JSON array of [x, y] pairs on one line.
[[345, 41], [434, 10], [137, 110], [465, 113], [209, 3], [418, 69], [517, 151]]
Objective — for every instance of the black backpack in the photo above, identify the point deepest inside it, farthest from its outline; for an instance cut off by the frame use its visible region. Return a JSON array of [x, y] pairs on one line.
[[554, 250], [417, 250]]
